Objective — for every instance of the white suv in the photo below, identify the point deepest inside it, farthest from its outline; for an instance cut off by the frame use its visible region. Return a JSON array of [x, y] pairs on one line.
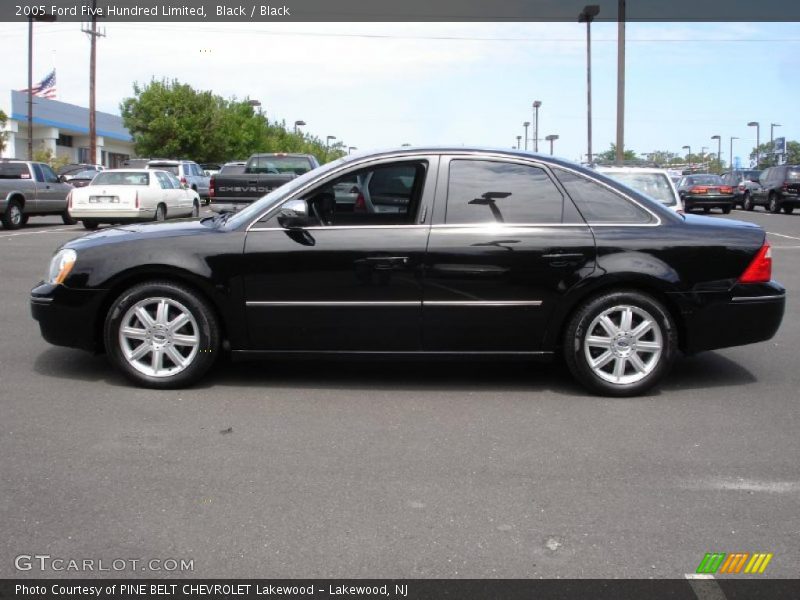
[[652, 182], [188, 172]]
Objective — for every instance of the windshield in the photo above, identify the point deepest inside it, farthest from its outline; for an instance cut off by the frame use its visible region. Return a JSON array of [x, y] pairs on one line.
[[279, 165], [264, 203], [121, 178], [655, 185], [174, 169]]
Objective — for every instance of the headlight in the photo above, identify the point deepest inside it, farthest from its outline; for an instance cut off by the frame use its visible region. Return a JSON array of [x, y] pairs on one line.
[[61, 265]]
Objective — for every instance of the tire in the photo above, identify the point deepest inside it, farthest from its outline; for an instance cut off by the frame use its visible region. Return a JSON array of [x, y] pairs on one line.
[[654, 362], [13, 217], [161, 213], [24, 219], [67, 219], [788, 209], [773, 205], [747, 203], [90, 225], [726, 210], [154, 355], [195, 210], [687, 207]]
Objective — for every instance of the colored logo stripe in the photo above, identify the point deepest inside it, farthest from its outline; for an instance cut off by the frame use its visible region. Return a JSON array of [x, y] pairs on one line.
[[734, 562], [758, 564], [711, 562]]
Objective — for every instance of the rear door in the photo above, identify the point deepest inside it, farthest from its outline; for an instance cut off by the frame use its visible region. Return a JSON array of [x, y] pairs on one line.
[[505, 245], [350, 280]]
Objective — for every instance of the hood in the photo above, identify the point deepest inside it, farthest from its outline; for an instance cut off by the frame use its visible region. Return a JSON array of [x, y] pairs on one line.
[[141, 232]]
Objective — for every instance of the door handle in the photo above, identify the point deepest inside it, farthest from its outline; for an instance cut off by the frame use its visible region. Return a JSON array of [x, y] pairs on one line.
[[387, 260], [563, 259]]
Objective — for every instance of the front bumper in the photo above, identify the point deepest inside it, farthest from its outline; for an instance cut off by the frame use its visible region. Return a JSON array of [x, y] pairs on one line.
[[750, 313], [68, 317]]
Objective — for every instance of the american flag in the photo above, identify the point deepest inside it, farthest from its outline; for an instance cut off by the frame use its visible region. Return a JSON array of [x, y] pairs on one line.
[[46, 88]]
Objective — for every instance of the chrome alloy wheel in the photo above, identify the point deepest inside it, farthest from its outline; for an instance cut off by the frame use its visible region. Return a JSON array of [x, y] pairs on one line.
[[623, 344], [15, 214], [159, 337]]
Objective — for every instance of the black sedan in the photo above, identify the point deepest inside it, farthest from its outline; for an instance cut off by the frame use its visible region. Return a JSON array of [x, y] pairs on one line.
[[491, 253], [706, 192]]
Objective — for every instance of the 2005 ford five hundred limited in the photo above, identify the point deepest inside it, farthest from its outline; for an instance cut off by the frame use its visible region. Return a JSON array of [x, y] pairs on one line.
[[420, 252]]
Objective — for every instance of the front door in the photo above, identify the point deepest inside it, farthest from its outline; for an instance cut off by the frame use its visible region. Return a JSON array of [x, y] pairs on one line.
[[351, 279], [505, 245]]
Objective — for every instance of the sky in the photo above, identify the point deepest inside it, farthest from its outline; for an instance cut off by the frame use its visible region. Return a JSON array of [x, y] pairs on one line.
[[379, 85]]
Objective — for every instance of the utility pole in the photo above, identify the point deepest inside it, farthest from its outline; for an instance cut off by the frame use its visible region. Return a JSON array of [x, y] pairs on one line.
[[620, 83], [93, 35]]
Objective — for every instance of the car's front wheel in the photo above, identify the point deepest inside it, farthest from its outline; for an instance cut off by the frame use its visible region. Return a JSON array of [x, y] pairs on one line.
[[162, 335], [747, 203], [620, 343]]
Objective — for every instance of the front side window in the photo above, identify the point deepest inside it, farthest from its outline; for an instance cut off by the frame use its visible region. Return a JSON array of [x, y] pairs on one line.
[[599, 204], [483, 191], [382, 195], [163, 181]]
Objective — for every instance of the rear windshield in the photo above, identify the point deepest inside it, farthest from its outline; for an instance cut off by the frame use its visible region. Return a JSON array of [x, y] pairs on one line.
[[14, 171], [751, 174], [174, 169], [655, 185], [793, 174], [88, 174], [121, 178], [279, 165], [231, 170], [705, 180]]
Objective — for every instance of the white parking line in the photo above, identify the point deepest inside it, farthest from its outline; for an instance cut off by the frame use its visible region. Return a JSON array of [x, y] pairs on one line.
[[705, 587], [10, 235], [783, 235]]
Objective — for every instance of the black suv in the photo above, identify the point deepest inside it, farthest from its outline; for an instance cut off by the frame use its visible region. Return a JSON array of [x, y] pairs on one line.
[[743, 183], [779, 189]]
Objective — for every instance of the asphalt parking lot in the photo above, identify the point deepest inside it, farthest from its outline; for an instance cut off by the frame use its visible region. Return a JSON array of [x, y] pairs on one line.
[[331, 469]]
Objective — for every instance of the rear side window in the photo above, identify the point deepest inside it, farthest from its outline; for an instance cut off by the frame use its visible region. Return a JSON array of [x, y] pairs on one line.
[[599, 204], [482, 191], [14, 171]]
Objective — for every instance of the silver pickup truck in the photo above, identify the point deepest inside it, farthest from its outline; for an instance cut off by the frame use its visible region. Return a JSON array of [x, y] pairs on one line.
[[28, 189]]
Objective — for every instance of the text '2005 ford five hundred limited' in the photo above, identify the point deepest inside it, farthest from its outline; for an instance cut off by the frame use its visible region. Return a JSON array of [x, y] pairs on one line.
[[443, 252]]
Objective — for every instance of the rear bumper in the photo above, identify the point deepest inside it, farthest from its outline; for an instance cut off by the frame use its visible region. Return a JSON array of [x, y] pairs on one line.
[[751, 313], [115, 215], [708, 201], [219, 205], [67, 317]]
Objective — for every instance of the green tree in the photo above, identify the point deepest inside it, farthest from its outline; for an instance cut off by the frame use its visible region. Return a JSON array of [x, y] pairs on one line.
[[169, 119], [3, 133], [610, 155], [768, 159]]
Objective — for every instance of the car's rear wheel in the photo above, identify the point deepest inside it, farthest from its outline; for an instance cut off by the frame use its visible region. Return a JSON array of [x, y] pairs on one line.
[[687, 206], [620, 343], [788, 209], [747, 203], [162, 335], [773, 205], [13, 217], [706, 209], [67, 219], [195, 209], [90, 225], [726, 210], [161, 213]]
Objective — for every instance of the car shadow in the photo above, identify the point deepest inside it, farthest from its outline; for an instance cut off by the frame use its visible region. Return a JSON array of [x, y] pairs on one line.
[[707, 370]]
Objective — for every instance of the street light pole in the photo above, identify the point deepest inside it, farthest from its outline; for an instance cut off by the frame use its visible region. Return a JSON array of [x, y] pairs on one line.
[[758, 140], [688, 155], [620, 83], [536, 105], [519, 140], [297, 125], [719, 151], [328, 142], [350, 149], [551, 138], [772, 127], [526, 124], [587, 15], [733, 137]]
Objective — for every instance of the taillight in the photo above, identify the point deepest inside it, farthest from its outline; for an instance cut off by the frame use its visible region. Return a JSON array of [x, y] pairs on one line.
[[183, 180], [69, 200], [698, 189], [785, 186], [726, 189], [212, 184], [137, 198], [361, 204], [741, 187], [760, 268]]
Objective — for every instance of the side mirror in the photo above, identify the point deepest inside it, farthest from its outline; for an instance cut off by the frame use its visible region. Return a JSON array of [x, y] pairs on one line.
[[293, 214]]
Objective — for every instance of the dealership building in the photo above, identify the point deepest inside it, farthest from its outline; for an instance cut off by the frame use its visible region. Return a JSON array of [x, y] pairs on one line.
[[63, 129]]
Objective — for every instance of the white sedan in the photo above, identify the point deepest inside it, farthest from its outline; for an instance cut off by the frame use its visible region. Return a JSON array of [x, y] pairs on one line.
[[129, 195]]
